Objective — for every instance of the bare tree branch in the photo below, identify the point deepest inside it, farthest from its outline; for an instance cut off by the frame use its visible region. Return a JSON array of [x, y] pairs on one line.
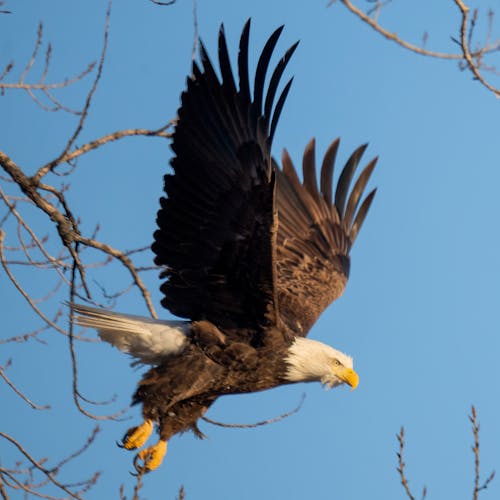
[[465, 42], [473, 59], [164, 3], [475, 449], [401, 467], [41, 86], [19, 392], [70, 156], [260, 423], [29, 485], [44, 170]]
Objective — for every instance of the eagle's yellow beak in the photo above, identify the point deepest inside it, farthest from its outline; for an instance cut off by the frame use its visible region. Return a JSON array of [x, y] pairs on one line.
[[349, 376]]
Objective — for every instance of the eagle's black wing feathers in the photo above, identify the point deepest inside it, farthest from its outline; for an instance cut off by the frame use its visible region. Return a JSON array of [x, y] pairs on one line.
[[216, 225]]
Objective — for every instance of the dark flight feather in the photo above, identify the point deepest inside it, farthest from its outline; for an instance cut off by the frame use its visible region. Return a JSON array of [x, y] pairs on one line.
[[327, 170], [216, 226], [262, 65], [315, 236], [275, 79], [243, 64]]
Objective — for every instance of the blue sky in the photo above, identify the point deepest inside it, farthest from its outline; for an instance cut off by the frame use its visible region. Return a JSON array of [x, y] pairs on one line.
[[420, 313]]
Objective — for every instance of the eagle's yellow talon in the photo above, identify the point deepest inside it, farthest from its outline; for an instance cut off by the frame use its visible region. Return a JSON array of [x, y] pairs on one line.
[[137, 436], [151, 457]]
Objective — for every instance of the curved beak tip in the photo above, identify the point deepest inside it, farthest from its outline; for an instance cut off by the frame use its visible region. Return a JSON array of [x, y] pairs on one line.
[[351, 378]]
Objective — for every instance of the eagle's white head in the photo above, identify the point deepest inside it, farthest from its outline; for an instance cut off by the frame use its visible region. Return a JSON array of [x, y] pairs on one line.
[[312, 361]]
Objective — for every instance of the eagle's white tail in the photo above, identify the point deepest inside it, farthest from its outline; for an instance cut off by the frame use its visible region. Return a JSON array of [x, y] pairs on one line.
[[148, 340]]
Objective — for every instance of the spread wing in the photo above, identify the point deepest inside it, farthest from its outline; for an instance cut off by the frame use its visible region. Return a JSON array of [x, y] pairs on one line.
[[315, 234], [216, 227]]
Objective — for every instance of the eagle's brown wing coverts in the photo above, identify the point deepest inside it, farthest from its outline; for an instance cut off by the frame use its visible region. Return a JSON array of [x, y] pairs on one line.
[[315, 234], [216, 233]]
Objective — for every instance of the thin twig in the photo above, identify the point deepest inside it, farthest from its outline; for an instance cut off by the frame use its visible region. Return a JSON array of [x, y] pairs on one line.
[[50, 475], [41, 86], [196, 36], [77, 396], [138, 483], [475, 450], [182, 493], [163, 3], [21, 289], [401, 467], [473, 60], [262, 422], [20, 393], [120, 256], [90, 95], [69, 156], [81, 450], [393, 36], [464, 9]]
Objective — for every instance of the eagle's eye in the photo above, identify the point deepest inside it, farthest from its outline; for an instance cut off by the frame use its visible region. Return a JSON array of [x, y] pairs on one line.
[[336, 362]]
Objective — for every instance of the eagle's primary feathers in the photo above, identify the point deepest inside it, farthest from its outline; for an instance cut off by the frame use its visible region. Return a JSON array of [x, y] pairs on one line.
[[251, 255]]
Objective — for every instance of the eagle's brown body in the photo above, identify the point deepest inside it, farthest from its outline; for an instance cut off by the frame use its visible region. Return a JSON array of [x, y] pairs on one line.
[[179, 391], [251, 255]]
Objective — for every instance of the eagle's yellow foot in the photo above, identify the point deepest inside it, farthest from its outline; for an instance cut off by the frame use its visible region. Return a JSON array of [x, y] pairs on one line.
[[135, 437], [151, 457]]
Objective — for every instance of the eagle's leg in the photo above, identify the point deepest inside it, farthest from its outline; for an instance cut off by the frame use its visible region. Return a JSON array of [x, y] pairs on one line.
[[178, 418], [136, 437], [151, 457]]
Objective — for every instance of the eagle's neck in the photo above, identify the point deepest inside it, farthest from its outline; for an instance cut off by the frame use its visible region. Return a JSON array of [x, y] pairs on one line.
[[311, 361]]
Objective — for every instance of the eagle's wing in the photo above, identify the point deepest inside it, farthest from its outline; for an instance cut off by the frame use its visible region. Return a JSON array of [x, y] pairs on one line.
[[315, 234], [217, 233]]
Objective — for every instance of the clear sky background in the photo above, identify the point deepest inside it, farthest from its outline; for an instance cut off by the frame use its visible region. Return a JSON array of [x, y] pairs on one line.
[[420, 314]]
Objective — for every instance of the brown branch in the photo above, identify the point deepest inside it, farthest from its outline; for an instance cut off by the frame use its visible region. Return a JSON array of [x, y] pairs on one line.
[[24, 486], [31, 487], [6, 70], [69, 156], [24, 337], [196, 37], [32, 60], [393, 36], [122, 257], [65, 83], [475, 450], [472, 59], [41, 85], [55, 263], [464, 44], [78, 452], [67, 227], [20, 393], [138, 484], [38, 465], [401, 466], [88, 101], [21, 290], [29, 188], [262, 422], [164, 3], [3, 491], [77, 396]]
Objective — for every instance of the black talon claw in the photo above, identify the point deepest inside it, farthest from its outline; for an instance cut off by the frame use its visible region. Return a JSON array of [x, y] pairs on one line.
[[140, 469]]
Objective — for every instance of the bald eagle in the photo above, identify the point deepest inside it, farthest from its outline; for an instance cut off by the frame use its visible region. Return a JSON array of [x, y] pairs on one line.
[[250, 256]]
